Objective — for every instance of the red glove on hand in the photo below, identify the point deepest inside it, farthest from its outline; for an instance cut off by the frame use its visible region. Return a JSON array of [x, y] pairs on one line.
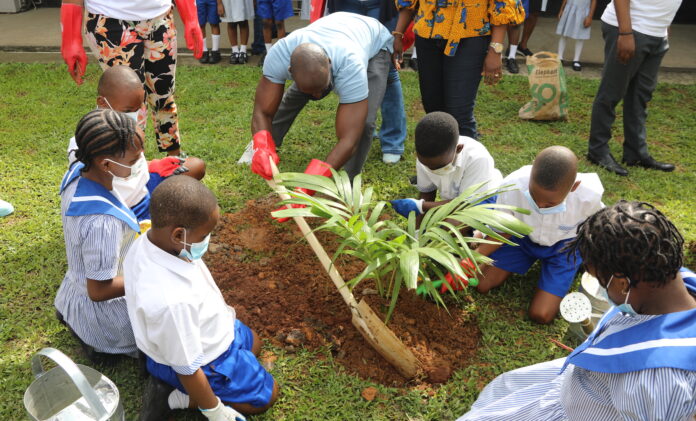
[[71, 40], [315, 167], [409, 37], [192, 31], [171, 165], [264, 147], [469, 273]]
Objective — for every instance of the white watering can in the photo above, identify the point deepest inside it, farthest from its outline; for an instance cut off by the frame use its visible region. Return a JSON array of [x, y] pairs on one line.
[[70, 391]]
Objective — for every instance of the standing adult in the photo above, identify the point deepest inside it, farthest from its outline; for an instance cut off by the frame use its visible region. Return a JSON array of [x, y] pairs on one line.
[[457, 42], [392, 134], [139, 34], [635, 41], [341, 52]]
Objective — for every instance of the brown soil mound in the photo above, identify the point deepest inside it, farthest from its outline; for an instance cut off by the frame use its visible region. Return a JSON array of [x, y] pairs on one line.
[[275, 282]]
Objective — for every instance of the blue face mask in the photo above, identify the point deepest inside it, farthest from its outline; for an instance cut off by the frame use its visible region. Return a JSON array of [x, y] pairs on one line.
[[561, 207], [197, 249], [625, 307]]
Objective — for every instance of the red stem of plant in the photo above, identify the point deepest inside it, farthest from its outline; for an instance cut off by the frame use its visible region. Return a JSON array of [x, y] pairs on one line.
[[561, 345]]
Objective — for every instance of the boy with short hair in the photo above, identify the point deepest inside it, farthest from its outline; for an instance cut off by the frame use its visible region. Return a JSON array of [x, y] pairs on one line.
[[120, 89], [559, 200], [191, 337], [446, 162]]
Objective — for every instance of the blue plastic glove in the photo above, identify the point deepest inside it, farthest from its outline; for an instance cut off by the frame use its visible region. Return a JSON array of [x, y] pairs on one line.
[[405, 206]]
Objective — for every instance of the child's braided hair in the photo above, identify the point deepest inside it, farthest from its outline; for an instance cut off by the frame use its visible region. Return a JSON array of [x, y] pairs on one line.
[[630, 239], [104, 132]]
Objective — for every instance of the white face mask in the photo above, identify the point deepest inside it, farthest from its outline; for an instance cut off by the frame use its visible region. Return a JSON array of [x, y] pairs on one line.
[[447, 169], [625, 307], [135, 169], [133, 115]]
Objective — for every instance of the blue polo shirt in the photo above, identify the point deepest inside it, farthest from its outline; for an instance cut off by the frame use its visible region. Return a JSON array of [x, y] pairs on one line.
[[350, 41]]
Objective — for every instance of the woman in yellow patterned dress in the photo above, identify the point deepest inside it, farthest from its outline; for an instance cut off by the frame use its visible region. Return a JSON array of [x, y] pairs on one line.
[[458, 41]]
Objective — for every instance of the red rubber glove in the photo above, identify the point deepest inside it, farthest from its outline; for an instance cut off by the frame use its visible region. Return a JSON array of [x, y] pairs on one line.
[[71, 40], [264, 147], [315, 167], [192, 31], [469, 273], [409, 37], [171, 165]]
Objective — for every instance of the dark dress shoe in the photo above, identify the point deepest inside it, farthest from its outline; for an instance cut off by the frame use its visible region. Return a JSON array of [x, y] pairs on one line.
[[155, 400], [651, 164], [608, 163], [525, 51], [511, 65], [205, 59], [214, 57]]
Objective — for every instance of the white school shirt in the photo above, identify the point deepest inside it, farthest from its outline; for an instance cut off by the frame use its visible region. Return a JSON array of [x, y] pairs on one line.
[[130, 192], [550, 229], [649, 17], [178, 314], [133, 10], [473, 165]]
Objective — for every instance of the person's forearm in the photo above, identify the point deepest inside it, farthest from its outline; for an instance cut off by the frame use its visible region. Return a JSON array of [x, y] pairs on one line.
[[261, 121], [427, 205], [341, 153], [198, 388], [498, 33], [623, 15], [593, 7], [405, 17], [105, 290]]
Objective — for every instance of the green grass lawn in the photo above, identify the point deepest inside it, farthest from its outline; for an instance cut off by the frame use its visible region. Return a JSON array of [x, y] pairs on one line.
[[40, 106]]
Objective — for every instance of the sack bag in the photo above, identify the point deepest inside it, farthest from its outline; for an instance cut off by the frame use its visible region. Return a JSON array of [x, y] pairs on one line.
[[547, 85]]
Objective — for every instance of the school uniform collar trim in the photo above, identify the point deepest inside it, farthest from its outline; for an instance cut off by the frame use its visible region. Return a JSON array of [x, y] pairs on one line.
[[664, 341], [91, 198]]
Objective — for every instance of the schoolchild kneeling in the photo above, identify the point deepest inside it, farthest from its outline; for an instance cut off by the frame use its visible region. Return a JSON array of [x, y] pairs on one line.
[[201, 354]]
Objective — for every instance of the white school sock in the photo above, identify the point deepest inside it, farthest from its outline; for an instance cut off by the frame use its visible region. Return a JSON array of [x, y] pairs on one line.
[[235, 48], [242, 48], [414, 54], [561, 47], [178, 400], [268, 46], [205, 46], [513, 51], [578, 48], [216, 42]]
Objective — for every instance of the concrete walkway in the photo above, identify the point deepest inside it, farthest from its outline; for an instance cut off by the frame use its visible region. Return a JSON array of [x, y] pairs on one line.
[[38, 32]]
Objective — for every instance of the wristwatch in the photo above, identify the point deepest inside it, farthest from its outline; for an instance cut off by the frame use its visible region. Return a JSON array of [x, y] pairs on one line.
[[497, 47]]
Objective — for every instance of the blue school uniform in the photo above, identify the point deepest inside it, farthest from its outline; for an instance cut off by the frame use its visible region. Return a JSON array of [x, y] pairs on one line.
[[98, 230], [639, 367]]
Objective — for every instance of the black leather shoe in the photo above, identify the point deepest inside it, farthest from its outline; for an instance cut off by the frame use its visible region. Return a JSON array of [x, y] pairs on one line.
[[214, 57], [608, 163], [511, 65], [155, 400], [205, 59], [651, 164]]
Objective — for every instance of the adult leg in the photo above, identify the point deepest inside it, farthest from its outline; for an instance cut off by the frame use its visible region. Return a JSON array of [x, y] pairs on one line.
[[430, 73], [258, 47], [392, 134], [290, 106], [637, 96], [529, 25], [109, 46], [615, 79], [160, 73], [462, 76], [377, 72]]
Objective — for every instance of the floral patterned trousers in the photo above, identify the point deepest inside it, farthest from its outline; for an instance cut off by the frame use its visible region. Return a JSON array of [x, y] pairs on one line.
[[149, 48]]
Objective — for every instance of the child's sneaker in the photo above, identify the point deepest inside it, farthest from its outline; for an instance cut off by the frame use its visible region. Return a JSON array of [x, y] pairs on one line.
[[214, 57], [234, 58], [205, 59], [242, 59]]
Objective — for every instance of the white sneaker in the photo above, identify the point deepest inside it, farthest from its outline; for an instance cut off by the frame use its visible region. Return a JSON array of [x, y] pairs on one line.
[[391, 158], [6, 208], [245, 159]]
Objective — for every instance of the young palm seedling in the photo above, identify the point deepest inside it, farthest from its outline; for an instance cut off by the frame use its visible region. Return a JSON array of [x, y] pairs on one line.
[[397, 256]]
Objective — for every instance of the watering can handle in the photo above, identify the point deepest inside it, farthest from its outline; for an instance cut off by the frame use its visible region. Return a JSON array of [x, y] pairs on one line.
[[75, 374]]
